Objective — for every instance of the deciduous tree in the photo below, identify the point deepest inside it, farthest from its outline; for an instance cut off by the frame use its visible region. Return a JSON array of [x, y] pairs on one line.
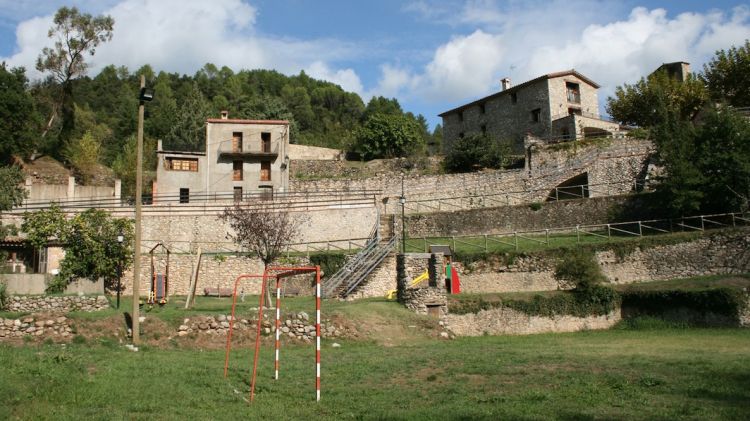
[[388, 136], [728, 76]]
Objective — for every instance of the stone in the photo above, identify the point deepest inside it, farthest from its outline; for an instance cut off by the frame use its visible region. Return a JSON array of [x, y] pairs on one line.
[[182, 333], [183, 328], [444, 335], [336, 345], [303, 316], [221, 318]]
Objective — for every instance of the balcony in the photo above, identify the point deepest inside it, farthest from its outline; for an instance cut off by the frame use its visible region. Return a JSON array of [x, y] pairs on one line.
[[574, 97], [258, 151]]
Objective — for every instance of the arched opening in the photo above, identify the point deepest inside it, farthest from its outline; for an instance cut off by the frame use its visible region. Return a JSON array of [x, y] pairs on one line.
[[573, 188]]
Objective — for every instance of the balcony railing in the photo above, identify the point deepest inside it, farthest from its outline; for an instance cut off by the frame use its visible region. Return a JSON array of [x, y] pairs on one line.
[[226, 150], [574, 97]]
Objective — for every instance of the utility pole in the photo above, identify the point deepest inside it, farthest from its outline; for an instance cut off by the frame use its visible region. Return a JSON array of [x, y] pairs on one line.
[[138, 199]]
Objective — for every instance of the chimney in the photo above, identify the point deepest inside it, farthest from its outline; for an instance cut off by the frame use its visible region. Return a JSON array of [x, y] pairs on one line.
[[505, 83], [225, 115]]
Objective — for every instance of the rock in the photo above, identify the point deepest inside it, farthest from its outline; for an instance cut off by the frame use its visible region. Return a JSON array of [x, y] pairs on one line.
[[225, 324], [285, 329], [303, 316], [336, 345], [221, 318], [27, 320], [61, 319], [203, 326], [183, 328], [141, 319], [182, 333], [267, 331], [444, 335]]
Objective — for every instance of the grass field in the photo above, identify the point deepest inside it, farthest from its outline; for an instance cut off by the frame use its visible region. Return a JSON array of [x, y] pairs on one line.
[[662, 374]]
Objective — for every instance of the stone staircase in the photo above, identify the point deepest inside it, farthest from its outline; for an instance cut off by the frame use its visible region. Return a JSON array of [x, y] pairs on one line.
[[358, 268]]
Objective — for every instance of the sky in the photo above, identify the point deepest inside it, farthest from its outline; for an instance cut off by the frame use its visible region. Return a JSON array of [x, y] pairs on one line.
[[431, 55]]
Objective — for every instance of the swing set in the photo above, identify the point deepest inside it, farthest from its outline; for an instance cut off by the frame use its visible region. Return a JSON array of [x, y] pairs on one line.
[[279, 273]]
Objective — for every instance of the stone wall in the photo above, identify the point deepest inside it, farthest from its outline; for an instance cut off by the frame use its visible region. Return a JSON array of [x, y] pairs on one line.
[[379, 282], [507, 321], [55, 304], [30, 326], [715, 253], [422, 299], [565, 213], [297, 152]]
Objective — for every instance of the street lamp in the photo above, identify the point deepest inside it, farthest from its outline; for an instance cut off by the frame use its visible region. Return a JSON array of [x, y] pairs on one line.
[[144, 95], [120, 239]]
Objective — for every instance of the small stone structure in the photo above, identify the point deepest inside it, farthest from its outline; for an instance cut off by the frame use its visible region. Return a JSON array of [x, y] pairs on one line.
[[52, 304], [423, 299], [58, 327], [294, 326]]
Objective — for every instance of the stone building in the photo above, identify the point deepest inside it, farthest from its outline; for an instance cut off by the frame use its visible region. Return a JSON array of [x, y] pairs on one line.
[[555, 106], [242, 159]]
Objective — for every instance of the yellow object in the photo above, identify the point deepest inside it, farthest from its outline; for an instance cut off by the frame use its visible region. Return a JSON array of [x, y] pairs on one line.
[[392, 293]]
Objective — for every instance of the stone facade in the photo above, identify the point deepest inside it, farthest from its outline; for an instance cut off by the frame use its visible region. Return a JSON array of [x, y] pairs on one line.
[[423, 299], [716, 253], [241, 157], [507, 321], [527, 109], [53, 304]]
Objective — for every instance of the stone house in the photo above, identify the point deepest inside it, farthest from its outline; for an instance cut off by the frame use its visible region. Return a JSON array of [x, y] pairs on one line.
[[243, 159], [555, 107]]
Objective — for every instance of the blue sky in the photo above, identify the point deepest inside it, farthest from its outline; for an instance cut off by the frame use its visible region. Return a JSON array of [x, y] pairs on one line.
[[431, 55]]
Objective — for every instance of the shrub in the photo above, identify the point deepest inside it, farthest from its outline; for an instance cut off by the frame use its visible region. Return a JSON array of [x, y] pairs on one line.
[[329, 263], [3, 295], [473, 153], [578, 269]]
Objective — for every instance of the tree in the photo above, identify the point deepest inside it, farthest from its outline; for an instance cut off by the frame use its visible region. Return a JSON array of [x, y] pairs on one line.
[[388, 136], [706, 166], [644, 103], [264, 231], [728, 76], [90, 242], [472, 153], [75, 34], [83, 155], [11, 194], [18, 115], [188, 132]]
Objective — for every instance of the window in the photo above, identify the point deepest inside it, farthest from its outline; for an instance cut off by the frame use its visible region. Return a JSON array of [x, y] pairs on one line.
[[236, 142], [481, 108], [265, 140], [513, 98], [266, 193], [182, 164], [536, 115], [238, 194], [265, 171], [184, 195], [237, 170], [574, 111], [574, 92]]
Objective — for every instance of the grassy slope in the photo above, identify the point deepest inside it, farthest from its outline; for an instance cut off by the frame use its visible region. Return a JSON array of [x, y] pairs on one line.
[[664, 374]]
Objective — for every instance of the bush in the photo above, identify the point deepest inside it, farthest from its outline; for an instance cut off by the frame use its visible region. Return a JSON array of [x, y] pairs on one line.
[[721, 301], [329, 263], [473, 153], [3, 295], [578, 269]]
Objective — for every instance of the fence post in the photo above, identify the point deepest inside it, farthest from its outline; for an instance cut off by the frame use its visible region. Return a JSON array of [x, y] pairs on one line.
[[546, 236], [609, 232], [732, 219], [557, 196], [453, 243], [578, 236], [640, 229], [582, 192], [703, 227], [515, 239], [485, 243]]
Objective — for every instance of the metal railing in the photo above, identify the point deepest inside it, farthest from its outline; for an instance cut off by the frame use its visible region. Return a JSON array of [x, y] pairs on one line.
[[581, 234]]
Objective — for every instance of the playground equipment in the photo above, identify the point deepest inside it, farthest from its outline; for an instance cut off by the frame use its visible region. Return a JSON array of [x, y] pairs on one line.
[[159, 287], [452, 281], [279, 273], [391, 294]]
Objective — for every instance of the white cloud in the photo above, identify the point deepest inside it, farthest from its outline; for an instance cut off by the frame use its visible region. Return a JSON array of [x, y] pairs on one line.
[[183, 35], [346, 78], [524, 42]]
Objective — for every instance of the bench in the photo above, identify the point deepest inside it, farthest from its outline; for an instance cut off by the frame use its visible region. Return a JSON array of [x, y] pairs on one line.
[[217, 292]]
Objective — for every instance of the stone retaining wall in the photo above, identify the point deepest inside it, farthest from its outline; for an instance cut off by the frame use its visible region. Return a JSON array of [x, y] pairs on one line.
[[423, 299], [293, 326], [715, 253], [55, 327], [52, 304], [507, 321]]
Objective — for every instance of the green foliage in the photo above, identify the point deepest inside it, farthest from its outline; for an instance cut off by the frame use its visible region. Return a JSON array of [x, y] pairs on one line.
[[75, 35], [188, 132], [83, 155], [707, 166], [329, 263], [19, 118], [726, 302], [535, 206], [645, 103], [472, 153], [599, 301], [89, 240], [578, 269], [388, 136], [727, 76], [11, 191], [3, 294], [125, 166]]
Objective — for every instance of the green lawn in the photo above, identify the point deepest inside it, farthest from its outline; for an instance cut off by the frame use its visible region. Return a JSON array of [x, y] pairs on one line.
[[666, 374]]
